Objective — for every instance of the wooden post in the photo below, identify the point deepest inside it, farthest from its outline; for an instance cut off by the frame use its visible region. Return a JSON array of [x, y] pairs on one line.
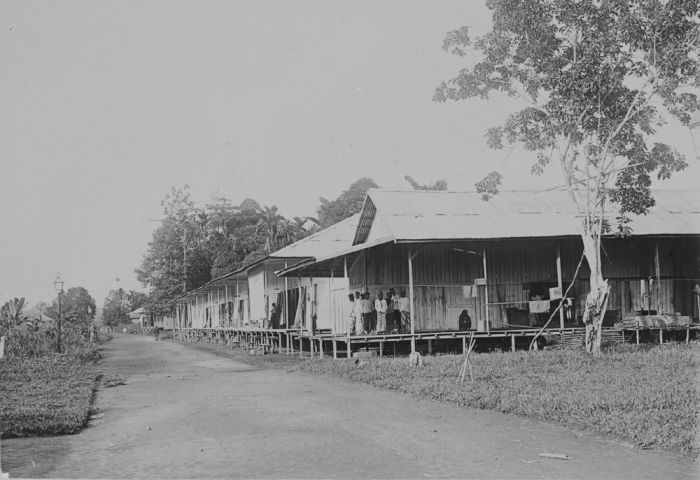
[[238, 299], [301, 351], [430, 347], [464, 345], [512, 343], [335, 348], [661, 336], [560, 284], [381, 349], [486, 291], [286, 300], [637, 335], [349, 347], [657, 268], [687, 335], [330, 302], [320, 348], [413, 312]]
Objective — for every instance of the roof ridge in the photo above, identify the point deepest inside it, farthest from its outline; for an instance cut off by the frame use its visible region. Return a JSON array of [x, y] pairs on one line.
[[316, 234], [553, 189]]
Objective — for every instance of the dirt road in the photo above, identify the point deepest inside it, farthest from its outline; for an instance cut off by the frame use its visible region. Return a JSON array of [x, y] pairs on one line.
[[185, 413]]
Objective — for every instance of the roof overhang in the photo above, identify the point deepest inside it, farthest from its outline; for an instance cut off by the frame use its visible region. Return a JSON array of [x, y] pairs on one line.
[[332, 265]]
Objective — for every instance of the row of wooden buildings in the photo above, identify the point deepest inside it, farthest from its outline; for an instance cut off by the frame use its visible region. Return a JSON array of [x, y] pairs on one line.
[[506, 262]]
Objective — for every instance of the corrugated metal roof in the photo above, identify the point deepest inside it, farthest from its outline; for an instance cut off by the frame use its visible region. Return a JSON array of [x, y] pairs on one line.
[[430, 215], [328, 240]]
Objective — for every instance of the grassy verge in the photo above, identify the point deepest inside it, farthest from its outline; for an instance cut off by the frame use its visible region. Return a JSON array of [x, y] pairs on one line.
[[647, 396], [45, 395], [274, 361]]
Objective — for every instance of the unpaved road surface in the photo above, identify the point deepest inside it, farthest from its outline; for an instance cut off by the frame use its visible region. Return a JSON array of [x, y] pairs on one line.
[[187, 413]]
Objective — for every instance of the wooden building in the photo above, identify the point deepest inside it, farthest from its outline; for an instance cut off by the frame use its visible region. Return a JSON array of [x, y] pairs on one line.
[[507, 260], [245, 297]]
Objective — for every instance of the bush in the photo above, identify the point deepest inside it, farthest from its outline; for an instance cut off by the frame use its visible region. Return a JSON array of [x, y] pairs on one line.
[[28, 343]]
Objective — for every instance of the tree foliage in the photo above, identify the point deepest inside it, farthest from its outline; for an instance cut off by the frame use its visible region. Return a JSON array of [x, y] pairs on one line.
[[11, 314], [440, 185], [346, 205], [77, 307], [120, 302], [192, 245], [596, 80]]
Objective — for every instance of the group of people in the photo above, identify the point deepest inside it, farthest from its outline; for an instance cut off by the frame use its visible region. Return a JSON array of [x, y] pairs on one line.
[[390, 314]]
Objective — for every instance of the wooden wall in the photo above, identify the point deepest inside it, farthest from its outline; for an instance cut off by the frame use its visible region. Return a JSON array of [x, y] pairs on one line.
[[517, 268]]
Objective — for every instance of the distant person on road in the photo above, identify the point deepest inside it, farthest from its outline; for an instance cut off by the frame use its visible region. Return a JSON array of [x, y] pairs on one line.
[[155, 333], [123, 331]]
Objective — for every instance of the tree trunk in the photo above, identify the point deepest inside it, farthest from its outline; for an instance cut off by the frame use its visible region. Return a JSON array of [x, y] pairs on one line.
[[597, 298]]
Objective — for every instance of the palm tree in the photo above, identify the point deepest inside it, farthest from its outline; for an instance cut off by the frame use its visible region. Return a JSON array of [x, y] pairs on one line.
[[268, 224], [11, 313]]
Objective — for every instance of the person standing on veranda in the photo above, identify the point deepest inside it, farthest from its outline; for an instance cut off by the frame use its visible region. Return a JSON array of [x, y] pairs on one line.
[[405, 309], [380, 305], [357, 314], [366, 313]]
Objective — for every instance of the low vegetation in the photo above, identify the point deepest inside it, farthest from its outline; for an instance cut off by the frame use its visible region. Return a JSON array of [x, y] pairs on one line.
[[276, 361], [45, 395], [646, 396], [42, 391]]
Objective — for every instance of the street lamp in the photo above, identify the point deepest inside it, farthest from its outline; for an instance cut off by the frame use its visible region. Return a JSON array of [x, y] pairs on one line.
[[58, 284], [694, 127]]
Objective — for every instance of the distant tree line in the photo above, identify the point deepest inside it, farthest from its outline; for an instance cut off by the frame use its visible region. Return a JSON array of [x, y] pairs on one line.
[[194, 244]]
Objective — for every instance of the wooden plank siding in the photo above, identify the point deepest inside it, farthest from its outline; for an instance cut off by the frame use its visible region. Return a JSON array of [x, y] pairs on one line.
[[515, 268]]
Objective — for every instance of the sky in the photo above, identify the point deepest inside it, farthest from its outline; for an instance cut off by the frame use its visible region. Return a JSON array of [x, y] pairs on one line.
[[106, 105]]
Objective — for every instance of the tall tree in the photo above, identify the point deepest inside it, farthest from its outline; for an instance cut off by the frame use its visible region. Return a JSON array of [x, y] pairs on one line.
[[596, 79], [440, 184], [348, 203], [77, 307], [178, 258], [269, 224], [118, 303]]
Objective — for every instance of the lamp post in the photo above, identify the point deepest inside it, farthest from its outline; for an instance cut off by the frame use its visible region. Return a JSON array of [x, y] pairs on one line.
[[694, 127], [58, 284]]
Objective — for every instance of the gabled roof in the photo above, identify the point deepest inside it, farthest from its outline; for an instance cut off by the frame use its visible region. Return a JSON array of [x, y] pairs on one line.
[[431, 215], [136, 313], [328, 240], [324, 242]]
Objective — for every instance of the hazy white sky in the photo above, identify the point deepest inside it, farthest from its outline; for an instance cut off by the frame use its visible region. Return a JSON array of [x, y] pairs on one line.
[[107, 104]]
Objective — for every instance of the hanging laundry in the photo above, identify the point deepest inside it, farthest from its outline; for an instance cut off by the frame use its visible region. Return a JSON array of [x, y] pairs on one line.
[[539, 306]]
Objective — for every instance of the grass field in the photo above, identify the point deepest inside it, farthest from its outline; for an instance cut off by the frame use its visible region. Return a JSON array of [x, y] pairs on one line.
[[45, 395], [646, 396]]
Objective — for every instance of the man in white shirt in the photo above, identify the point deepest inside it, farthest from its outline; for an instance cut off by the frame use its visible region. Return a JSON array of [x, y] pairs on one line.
[[356, 315], [380, 306]]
